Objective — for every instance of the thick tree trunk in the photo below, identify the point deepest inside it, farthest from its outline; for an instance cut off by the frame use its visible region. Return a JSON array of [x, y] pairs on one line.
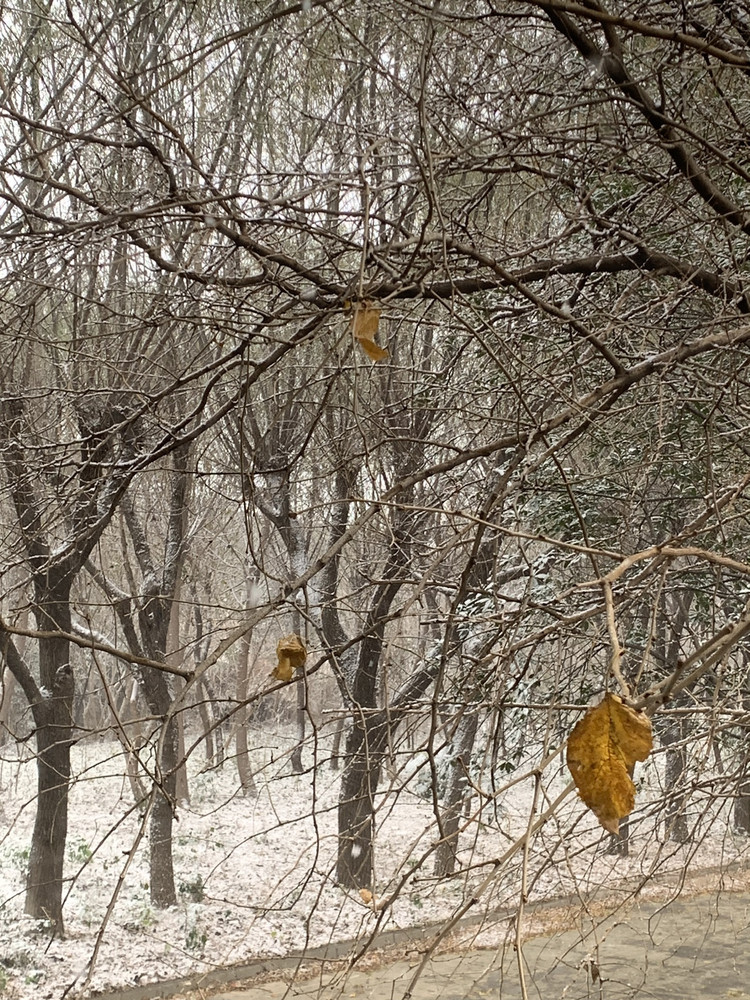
[[47, 854], [356, 811], [161, 869], [53, 716], [458, 782]]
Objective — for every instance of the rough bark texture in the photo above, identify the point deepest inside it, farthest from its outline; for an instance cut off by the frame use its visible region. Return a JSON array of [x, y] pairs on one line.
[[741, 811], [675, 775], [161, 870], [458, 783], [8, 683], [356, 814], [336, 746], [301, 720], [53, 718], [244, 768]]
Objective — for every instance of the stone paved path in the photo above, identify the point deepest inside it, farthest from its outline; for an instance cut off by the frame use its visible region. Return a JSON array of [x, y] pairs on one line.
[[699, 949]]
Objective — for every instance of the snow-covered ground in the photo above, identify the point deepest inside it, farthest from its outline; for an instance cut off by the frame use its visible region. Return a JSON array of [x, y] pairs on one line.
[[256, 875]]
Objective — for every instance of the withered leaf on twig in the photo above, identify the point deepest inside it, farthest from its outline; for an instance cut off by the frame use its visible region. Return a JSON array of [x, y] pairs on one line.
[[365, 322], [602, 751], [291, 654]]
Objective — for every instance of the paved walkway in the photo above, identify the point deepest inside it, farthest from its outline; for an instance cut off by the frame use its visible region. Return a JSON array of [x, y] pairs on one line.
[[699, 949]]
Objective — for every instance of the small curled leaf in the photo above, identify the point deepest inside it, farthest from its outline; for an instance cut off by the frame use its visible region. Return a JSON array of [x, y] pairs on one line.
[[291, 654]]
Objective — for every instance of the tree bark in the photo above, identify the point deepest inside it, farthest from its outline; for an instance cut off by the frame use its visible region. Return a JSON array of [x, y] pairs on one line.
[[741, 810], [244, 769], [458, 782], [356, 813], [301, 720], [675, 774], [206, 723], [161, 869], [8, 682], [53, 717], [336, 746]]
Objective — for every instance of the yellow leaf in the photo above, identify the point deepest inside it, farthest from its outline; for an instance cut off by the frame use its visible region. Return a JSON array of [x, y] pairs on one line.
[[365, 322], [602, 751], [365, 895], [291, 654]]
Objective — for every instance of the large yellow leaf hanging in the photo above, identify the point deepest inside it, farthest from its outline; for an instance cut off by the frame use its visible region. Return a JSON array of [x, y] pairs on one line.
[[602, 751]]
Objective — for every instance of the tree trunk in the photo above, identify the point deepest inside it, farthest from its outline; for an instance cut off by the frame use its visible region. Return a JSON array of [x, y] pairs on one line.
[[174, 657], [356, 810], [53, 716], [244, 769], [301, 719], [618, 844], [163, 893], [207, 724], [675, 775], [296, 552], [336, 747], [217, 730], [741, 811], [161, 869], [458, 782], [46, 858], [7, 682]]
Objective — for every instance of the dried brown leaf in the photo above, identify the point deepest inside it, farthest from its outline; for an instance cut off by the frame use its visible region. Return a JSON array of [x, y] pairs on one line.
[[291, 654], [602, 751], [365, 323]]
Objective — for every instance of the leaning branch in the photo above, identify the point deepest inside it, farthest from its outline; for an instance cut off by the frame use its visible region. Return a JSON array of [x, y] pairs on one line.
[[84, 642]]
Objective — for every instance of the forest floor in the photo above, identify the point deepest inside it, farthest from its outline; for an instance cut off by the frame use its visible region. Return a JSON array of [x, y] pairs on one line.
[[255, 876]]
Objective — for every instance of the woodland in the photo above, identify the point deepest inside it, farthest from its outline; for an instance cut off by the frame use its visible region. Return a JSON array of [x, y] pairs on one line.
[[373, 403]]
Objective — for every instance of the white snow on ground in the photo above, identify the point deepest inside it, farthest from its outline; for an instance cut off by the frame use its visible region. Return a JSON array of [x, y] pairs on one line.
[[256, 875]]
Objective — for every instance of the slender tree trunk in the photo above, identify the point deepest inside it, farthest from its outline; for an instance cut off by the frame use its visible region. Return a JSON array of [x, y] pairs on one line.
[[336, 747], [741, 810], [675, 776], [8, 682], [666, 648], [247, 782], [175, 657], [300, 713], [301, 719], [217, 727], [207, 724], [618, 844], [458, 782]]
